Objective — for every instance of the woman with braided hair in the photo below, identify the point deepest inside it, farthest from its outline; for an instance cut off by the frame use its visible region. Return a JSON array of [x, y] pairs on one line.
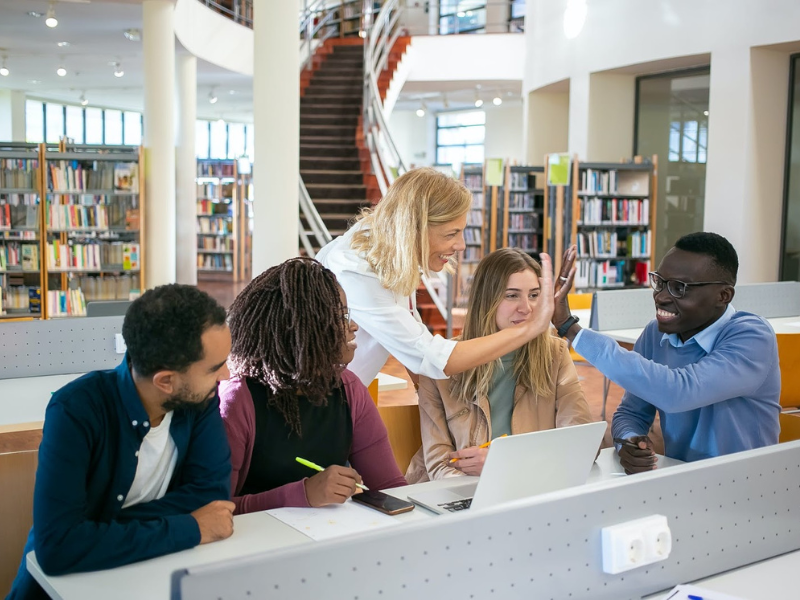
[[291, 395], [418, 227]]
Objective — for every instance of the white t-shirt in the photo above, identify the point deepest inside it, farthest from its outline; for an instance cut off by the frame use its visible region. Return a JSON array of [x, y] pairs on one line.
[[388, 323], [157, 459]]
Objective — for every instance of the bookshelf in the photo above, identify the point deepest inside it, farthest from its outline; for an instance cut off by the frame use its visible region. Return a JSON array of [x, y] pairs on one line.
[[608, 210], [474, 232], [20, 225], [224, 219], [92, 227], [522, 217]]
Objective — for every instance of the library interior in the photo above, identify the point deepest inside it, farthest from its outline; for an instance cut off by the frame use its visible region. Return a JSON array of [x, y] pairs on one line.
[[575, 225]]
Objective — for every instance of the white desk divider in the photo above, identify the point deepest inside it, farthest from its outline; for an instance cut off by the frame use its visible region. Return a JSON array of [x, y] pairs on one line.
[[724, 513], [769, 300], [58, 346]]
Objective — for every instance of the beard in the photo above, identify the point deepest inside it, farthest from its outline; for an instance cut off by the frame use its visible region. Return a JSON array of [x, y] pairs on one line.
[[185, 399]]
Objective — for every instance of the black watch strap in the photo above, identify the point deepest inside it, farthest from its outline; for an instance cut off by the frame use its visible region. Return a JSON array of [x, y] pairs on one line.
[[562, 331]]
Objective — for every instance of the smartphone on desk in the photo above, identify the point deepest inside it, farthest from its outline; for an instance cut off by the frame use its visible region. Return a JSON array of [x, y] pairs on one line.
[[383, 502]]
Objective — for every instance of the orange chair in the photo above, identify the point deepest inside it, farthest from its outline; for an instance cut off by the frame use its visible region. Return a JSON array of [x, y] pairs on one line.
[[579, 302], [789, 356]]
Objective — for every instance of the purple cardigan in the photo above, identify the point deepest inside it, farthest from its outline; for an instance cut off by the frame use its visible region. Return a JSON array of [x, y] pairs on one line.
[[371, 454]]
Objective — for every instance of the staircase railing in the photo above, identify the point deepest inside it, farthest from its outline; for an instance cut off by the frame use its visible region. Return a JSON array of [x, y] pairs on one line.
[[383, 29], [318, 229]]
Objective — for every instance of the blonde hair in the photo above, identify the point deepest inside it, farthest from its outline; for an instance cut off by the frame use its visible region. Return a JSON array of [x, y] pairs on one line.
[[533, 364], [394, 234]]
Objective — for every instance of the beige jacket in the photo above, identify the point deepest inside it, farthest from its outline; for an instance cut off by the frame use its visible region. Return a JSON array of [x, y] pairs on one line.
[[448, 425]]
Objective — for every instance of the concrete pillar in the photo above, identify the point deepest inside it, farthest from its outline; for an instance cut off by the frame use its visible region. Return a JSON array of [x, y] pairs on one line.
[[746, 155], [12, 116], [547, 126], [612, 104], [276, 120], [159, 141], [578, 139], [186, 163]]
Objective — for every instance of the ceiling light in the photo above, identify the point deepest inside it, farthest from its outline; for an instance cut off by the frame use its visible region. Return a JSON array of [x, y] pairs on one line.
[[221, 121], [64, 44], [34, 81], [705, 112], [212, 97], [33, 13], [61, 71], [497, 101], [134, 35], [232, 92], [445, 102], [83, 99], [51, 20], [4, 69], [118, 72], [421, 111], [478, 103]]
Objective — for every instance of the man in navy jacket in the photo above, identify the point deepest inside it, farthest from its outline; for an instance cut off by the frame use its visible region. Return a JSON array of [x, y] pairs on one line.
[[134, 462]]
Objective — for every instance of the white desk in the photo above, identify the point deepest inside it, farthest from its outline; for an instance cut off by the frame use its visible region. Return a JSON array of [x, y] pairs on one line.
[[24, 400], [253, 533]]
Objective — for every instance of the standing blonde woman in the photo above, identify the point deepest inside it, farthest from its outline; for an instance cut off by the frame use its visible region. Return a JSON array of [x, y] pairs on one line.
[[530, 389], [418, 227]]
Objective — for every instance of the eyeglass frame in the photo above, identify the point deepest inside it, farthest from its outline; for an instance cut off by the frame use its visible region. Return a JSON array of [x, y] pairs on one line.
[[348, 317], [665, 283]]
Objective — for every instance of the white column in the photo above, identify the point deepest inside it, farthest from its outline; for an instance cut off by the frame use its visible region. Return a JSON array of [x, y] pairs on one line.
[[159, 141], [276, 119], [12, 116], [186, 162], [612, 105], [547, 124], [578, 136], [746, 154]]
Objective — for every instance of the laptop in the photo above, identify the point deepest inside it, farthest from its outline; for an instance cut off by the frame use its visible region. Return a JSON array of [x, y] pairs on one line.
[[523, 465]]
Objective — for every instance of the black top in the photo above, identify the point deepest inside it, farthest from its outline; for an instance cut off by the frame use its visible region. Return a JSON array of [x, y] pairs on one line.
[[327, 437]]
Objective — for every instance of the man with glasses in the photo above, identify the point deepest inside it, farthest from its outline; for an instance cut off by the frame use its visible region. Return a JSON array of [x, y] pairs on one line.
[[710, 372]]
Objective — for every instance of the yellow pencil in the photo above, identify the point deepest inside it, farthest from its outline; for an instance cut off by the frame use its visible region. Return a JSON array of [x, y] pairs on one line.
[[486, 445]]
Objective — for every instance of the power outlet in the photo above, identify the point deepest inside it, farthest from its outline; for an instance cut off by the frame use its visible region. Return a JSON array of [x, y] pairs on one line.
[[635, 544], [119, 344]]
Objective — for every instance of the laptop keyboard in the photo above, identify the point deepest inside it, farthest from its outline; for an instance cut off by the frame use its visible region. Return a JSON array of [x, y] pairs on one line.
[[457, 505]]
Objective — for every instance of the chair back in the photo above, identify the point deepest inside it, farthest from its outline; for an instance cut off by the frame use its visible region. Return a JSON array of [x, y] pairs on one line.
[[789, 356]]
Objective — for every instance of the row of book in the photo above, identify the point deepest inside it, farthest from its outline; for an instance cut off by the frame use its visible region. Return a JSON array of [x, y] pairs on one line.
[[471, 254], [215, 190], [73, 216], [473, 181], [518, 182], [208, 207], [15, 216], [612, 211], [214, 169], [218, 262], [525, 241], [66, 303], [15, 298], [19, 199], [598, 182], [18, 173], [526, 201], [217, 244], [472, 236], [93, 256], [523, 221], [72, 175], [17, 235], [217, 226], [16, 256], [105, 287], [611, 273], [611, 244], [475, 218], [477, 200]]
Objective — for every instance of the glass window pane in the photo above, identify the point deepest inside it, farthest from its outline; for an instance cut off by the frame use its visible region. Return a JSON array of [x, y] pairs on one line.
[[94, 126], [113, 126], [201, 139], [474, 154], [473, 117], [75, 124], [702, 143], [790, 263], [55, 121], [251, 142], [34, 121], [235, 140], [448, 155], [450, 137], [689, 153], [474, 135], [218, 139], [133, 128]]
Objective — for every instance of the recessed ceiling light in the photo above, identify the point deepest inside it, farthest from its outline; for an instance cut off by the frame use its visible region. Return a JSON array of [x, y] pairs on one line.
[[64, 44], [4, 69], [134, 35], [232, 92], [33, 13], [83, 99], [51, 20], [118, 72], [34, 81], [61, 71]]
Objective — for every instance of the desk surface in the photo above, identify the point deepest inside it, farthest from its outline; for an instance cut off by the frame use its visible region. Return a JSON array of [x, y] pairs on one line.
[[781, 325], [253, 534]]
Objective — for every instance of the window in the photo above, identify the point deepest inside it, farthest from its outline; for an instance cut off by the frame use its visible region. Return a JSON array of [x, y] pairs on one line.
[[459, 138], [250, 148], [236, 140], [75, 124], [219, 141], [34, 121], [94, 125], [201, 138], [790, 244], [672, 122], [113, 127], [54, 122], [133, 128], [462, 16]]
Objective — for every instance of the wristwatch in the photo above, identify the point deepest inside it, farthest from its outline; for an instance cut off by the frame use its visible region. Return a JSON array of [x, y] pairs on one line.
[[562, 331]]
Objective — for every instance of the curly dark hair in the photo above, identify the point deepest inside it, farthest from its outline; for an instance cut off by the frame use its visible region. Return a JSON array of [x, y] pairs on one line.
[[713, 245], [163, 328], [288, 331]]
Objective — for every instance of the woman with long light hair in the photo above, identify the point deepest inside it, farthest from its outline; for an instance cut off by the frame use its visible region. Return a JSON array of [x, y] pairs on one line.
[[418, 227], [530, 389]]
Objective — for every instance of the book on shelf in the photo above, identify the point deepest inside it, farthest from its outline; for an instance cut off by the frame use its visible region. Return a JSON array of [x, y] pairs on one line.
[[216, 262], [126, 178], [35, 299], [74, 216], [66, 303], [130, 257], [30, 257], [72, 175], [613, 211], [18, 173], [132, 219]]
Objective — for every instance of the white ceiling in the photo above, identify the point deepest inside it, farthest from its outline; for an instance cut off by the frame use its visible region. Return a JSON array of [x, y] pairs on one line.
[[95, 33]]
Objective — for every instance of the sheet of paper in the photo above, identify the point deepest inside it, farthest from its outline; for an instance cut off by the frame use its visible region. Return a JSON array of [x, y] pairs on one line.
[[332, 521], [693, 592], [794, 324]]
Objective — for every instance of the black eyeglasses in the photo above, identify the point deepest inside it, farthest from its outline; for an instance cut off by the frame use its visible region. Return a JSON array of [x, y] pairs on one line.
[[675, 287]]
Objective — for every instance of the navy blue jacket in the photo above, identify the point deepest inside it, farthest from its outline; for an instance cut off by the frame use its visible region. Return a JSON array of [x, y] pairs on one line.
[[93, 429]]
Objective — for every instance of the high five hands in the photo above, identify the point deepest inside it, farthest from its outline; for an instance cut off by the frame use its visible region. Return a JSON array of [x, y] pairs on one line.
[[562, 286]]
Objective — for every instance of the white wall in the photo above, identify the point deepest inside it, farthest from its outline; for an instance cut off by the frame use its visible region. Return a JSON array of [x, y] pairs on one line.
[[747, 104], [504, 133], [12, 116], [495, 56], [413, 138]]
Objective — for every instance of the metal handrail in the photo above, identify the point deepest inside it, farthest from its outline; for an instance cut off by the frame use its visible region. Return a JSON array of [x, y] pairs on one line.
[[315, 222]]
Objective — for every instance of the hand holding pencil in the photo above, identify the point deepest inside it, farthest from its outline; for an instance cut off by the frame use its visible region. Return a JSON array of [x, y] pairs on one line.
[[470, 460]]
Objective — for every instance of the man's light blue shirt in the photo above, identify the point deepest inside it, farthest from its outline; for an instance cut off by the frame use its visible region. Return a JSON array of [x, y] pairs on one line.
[[716, 393]]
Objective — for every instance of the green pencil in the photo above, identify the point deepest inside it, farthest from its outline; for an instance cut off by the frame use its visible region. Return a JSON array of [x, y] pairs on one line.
[[316, 467]]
